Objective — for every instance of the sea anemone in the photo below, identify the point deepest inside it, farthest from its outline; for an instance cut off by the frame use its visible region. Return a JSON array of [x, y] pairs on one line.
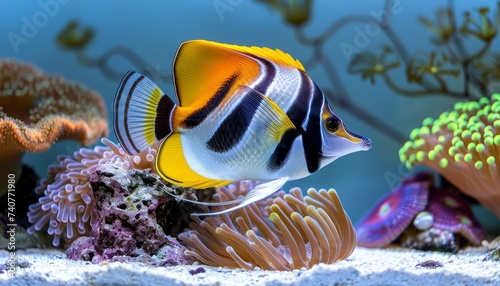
[[464, 147], [37, 109], [67, 206], [300, 232]]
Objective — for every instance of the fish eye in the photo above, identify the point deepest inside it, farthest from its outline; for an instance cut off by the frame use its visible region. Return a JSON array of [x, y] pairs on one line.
[[332, 125]]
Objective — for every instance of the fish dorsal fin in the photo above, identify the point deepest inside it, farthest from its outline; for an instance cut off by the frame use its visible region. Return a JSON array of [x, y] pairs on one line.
[[202, 69], [173, 167], [276, 55]]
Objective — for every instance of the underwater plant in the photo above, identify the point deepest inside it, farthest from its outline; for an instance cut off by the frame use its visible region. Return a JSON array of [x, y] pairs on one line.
[[284, 232], [420, 215], [430, 70], [74, 38], [294, 12], [463, 145], [37, 110], [67, 204]]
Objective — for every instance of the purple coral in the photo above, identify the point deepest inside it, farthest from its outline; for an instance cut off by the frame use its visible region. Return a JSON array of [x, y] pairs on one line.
[[393, 213], [453, 213], [67, 206], [125, 227], [438, 215]]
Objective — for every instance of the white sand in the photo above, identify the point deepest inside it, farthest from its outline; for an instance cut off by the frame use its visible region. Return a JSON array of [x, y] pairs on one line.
[[363, 267]]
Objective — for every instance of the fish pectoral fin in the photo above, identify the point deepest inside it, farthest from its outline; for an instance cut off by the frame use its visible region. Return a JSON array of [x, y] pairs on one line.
[[261, 191], [142, 113], [172, 166], [274, 121]]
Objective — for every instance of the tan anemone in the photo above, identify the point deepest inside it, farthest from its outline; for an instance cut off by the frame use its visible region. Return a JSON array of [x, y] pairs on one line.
[[37, 110], [300, 232]]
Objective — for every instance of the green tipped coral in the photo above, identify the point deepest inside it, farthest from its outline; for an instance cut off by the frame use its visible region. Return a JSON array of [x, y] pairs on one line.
[[464, 146]]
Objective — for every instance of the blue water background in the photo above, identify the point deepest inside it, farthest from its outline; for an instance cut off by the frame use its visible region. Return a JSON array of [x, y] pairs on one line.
[[154, 29]]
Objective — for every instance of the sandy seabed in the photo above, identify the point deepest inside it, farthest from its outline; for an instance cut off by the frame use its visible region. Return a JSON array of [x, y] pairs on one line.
[[363, 267]]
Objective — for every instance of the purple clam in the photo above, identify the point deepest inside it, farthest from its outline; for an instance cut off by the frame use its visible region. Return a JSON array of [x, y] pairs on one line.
[[452, 212], [440, 216], [394, 212]]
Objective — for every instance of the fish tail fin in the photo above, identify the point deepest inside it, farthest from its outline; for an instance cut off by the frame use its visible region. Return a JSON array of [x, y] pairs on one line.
[[142, 113]]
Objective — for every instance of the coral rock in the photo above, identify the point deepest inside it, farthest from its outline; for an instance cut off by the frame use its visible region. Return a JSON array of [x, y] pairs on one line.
[[126, 228]]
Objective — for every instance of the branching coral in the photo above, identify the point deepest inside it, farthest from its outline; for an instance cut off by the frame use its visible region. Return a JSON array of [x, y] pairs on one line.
[[464, 146], [37, 110], [67, 206], [301, 231]]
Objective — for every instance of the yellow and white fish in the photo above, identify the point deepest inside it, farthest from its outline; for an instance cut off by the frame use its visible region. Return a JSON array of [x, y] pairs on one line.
[[243, 113]]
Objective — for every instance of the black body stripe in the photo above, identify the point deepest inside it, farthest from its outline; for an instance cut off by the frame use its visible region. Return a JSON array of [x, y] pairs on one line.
[[300, 107], [282, 151], [269, 75], [199, 115], [163, 124], [235, 125], [117, 103], [312, 133]]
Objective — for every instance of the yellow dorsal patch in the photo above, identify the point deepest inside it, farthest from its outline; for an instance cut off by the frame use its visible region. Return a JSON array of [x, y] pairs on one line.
[[172, 166], [202, 67], [276, 55]]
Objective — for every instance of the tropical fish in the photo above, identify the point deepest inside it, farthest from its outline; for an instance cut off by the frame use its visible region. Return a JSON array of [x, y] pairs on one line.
[[243, 113]]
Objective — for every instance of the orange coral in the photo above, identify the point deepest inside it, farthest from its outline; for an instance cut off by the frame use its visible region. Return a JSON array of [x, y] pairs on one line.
[[37, 109]]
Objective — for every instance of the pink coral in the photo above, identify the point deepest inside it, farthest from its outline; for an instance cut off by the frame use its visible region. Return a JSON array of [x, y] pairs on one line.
[[67, 206]]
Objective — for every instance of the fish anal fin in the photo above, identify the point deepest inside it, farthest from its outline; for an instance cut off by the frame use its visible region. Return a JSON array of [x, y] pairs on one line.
[[172, 166], [261, 191]]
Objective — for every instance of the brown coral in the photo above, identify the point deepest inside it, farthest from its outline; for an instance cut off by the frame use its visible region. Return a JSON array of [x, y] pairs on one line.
[[301, 231], [67, 206], [37, 109]]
